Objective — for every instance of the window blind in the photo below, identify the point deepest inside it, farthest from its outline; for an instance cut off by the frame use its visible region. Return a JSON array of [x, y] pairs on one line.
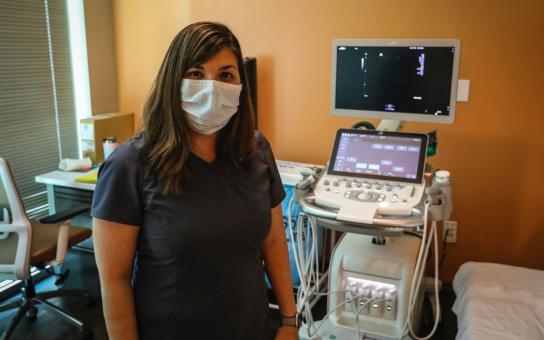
[[37, 112]]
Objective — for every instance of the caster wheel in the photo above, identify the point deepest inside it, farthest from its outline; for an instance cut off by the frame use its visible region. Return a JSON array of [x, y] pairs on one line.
[[86, 334], [32, 314]]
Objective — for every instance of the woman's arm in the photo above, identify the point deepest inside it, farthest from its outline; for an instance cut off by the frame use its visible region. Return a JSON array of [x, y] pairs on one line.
[[114, 248], [276, 258]]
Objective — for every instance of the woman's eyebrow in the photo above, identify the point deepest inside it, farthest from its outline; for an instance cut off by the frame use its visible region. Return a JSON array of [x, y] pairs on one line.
[[228, 66]]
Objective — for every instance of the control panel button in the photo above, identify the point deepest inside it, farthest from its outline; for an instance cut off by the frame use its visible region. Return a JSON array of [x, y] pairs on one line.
[[335, 183], [326, 182]]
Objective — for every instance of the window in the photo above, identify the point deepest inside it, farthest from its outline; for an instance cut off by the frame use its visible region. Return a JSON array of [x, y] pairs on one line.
[[38, 124]]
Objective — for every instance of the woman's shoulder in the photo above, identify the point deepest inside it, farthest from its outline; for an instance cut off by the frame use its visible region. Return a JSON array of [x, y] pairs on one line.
[[260, 141], [129, 152], [263, 149]]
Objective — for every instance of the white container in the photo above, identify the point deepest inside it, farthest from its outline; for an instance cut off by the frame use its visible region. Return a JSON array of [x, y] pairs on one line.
[[109, 144]]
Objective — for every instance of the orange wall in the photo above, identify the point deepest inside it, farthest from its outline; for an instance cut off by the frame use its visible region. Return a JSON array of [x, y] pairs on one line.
[[143, 32], [494, 149], [101, 56]]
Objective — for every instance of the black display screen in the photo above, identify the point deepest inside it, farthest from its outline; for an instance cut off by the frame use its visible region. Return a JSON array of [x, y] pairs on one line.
[[407, 79], [380, 155]]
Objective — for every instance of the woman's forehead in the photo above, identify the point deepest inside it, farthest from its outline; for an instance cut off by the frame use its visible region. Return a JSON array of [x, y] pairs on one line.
[[224, 56]]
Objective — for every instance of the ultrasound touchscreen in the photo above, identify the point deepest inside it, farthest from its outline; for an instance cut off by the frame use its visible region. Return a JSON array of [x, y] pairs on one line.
[[380, 155]]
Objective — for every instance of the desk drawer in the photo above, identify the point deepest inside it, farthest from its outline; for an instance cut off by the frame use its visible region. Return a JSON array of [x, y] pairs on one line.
[[66, 198], [83, 196]]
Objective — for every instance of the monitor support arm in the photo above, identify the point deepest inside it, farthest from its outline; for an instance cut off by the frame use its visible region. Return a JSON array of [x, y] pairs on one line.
[[390, 125]]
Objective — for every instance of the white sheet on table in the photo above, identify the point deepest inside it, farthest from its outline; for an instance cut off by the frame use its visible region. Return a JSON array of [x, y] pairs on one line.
[[497, 301]]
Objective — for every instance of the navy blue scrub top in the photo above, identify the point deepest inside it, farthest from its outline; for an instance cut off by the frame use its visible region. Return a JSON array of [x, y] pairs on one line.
[[198, 271]]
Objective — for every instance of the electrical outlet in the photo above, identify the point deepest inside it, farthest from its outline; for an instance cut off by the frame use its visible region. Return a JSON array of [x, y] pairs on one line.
[[451, 228]]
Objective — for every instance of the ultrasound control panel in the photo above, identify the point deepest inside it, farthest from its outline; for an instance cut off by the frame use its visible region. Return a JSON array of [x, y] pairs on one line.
[[373, 173]]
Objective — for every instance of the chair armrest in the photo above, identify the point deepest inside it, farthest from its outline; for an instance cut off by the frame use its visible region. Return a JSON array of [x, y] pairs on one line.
[[65, 215]]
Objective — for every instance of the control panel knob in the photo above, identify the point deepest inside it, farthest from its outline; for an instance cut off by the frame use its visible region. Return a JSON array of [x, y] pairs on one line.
[[364, 196]]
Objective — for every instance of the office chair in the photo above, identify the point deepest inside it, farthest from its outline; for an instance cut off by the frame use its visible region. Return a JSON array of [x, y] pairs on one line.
[[25, 243]]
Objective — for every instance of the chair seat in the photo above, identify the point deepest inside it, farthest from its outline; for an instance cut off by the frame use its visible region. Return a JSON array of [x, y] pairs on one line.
[[44, 241]]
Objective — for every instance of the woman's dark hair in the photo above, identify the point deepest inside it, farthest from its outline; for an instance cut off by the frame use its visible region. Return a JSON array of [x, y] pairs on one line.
[[165, 127]]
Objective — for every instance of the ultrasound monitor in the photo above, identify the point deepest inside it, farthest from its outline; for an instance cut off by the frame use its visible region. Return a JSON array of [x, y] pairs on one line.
[[410, 80], [388, 156]]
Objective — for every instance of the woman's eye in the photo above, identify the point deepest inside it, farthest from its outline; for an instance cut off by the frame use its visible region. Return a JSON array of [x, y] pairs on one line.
[[226, 76], [194, 74]]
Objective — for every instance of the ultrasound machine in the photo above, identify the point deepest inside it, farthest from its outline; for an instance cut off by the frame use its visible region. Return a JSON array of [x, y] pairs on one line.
[[378, 190]]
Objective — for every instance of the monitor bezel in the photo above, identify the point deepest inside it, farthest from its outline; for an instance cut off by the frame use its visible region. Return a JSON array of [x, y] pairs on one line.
[[420, 165], [401, 116]]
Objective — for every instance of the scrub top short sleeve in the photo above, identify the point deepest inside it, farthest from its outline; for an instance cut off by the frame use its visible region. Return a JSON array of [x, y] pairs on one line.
[[117, 196], [277, 192]]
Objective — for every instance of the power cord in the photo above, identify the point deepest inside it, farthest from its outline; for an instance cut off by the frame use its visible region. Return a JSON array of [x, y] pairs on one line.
[[444, 248]]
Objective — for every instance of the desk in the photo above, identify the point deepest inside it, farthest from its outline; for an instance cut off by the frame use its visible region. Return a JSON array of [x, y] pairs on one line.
[[64, 179], [63, 192]]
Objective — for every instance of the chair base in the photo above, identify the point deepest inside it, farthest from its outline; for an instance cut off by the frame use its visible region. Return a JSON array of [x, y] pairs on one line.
[[27, 306]]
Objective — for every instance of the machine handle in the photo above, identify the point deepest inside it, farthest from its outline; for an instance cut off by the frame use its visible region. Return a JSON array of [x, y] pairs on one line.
[[307, 205]]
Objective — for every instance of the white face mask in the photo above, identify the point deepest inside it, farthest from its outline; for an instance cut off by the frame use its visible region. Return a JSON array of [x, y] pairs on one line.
[[209, 104]]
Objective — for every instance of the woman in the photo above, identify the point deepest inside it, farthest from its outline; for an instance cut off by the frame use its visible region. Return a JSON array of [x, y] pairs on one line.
[[187, 214]]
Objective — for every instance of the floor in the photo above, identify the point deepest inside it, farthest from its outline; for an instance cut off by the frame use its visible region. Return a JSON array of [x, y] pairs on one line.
[[84, 274]]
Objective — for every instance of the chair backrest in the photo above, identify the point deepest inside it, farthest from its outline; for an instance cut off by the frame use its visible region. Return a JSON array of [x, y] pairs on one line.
[[5, 215], [15, 248], [4, 209]]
